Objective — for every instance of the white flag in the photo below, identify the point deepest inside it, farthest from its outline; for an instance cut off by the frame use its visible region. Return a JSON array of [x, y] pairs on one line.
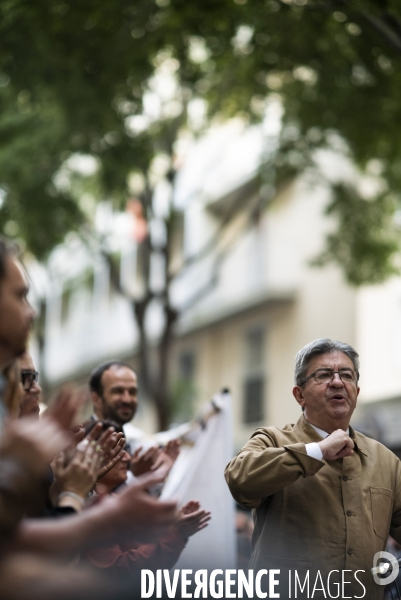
[[198, 474]]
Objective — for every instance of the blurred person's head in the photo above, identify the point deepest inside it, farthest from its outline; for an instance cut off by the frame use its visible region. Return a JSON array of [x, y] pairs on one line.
[[326, 383], [12, 396], [29, 382], [114, 389], [16, 314]]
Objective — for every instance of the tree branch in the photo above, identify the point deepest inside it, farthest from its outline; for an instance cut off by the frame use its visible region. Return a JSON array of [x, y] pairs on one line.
[[392, 34], [392, 38]]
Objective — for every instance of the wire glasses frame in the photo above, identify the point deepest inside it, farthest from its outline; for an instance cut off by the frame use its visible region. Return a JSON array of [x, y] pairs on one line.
[[28, 377], [326, 375]]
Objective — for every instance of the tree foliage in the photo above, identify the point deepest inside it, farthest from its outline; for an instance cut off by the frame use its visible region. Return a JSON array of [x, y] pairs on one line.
[[74, 76], [71, 73], [363, 243]]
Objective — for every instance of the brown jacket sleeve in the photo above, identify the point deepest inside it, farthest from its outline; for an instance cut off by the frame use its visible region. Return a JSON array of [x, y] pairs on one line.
[[262, 468]]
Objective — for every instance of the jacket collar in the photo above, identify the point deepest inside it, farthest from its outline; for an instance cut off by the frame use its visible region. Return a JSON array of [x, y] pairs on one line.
[[305, 431], [359, 441]]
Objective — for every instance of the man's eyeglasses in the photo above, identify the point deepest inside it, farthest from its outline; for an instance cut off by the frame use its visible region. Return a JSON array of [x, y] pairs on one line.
[[326, 375], [27, 379]]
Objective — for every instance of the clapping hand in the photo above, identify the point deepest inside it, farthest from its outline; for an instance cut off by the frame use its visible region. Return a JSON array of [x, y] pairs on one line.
[[192, 519]]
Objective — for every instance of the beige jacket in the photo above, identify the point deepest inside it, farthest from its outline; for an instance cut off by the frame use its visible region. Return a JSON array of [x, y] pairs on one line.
[[315, 515]]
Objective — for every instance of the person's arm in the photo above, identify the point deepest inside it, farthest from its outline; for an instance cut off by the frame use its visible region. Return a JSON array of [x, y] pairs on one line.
[[261, 469], [25, 449], [130, 515], [62, 536], [19, 490], [124, 558]]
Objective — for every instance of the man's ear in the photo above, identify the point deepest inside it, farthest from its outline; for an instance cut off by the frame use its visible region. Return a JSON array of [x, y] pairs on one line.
[[97, 403], [298, 394]]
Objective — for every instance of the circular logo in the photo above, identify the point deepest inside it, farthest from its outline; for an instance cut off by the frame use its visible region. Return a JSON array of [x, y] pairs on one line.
[[390, 568]]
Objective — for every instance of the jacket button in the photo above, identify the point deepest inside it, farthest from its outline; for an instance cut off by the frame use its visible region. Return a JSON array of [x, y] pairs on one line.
[[350, 551], [345, 478], [349, 513]]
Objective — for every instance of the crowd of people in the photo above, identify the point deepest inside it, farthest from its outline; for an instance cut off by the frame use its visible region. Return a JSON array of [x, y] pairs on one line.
[[80, 514], [80, 510]]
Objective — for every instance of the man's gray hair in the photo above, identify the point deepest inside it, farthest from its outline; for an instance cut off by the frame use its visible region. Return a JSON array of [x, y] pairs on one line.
[[321, 346]]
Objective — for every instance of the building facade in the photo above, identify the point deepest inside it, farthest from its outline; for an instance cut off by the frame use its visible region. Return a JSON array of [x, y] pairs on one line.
[[264, 302]]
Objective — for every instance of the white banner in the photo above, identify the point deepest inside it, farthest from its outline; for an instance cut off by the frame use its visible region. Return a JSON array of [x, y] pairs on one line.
[[198, 474]]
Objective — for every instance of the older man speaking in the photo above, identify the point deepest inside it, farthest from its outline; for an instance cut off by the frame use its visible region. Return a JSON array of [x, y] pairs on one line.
[[325, 496]]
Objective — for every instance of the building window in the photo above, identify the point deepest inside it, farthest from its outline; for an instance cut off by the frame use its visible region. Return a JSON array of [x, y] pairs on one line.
[[254, 388], [254, 376], [183, 393], [186, 365]]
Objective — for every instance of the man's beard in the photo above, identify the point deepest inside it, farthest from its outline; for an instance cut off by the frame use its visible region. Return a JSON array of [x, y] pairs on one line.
[[110, 413]]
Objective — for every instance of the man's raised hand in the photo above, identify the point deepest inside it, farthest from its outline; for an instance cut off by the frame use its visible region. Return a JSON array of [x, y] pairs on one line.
[[192, 519], [337, 445], [79, 474], [143, 462], [111, 444]]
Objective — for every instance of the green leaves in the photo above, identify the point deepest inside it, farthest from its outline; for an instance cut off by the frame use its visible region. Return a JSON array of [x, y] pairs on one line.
[[71, 74], [365, 240]]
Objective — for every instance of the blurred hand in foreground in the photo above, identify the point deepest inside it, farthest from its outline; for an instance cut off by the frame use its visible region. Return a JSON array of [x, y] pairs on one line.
[[140, 516], [33, 443], [192, 519], [65, 408]]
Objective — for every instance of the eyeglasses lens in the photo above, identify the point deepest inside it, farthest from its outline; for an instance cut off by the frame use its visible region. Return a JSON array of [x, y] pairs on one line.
[[346, 376], [27, 378]]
